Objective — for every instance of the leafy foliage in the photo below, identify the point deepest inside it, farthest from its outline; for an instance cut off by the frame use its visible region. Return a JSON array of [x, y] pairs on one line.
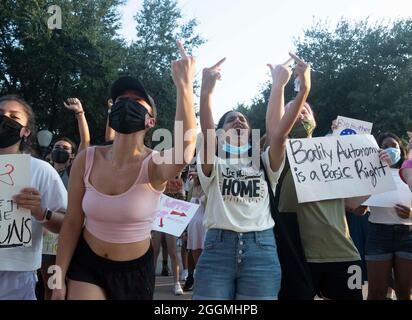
[[360, 70]]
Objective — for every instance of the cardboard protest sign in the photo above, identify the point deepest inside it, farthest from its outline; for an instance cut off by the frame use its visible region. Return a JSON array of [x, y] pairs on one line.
[[50, 241], [15, 222], [348, 126], [402, 195], [173, 216], [337, 167]]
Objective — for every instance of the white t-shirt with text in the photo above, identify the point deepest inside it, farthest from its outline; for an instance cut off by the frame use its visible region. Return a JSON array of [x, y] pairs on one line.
[[237, 194]]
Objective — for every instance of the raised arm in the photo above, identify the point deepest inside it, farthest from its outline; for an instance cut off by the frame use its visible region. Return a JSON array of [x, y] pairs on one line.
[[72, 223], [75, 105], [209, 78], [183, 73], [278, 122], [109, 133]]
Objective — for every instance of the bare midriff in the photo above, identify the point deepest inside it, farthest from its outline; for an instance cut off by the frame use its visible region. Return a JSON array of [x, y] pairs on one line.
[[116, 251]]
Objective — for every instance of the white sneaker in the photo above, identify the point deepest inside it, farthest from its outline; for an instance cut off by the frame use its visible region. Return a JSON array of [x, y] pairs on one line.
[[184, 275], [178, 291]]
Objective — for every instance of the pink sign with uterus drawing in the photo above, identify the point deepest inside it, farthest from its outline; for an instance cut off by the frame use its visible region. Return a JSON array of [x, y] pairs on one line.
[[173, 215]]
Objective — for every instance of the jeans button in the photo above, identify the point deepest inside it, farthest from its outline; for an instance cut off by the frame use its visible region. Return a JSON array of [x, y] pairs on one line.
[[241, 243], [239, 261], [240, 251]]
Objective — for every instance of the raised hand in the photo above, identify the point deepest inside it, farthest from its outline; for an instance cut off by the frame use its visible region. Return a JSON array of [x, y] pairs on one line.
[[183, 70], [109, 103], [74, 104], [281, 73], [210, 76], [334, 125], [384, 157], [302, 72]]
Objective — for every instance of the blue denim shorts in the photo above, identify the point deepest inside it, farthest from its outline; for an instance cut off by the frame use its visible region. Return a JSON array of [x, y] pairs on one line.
[[17, 285], [385, 240], [241, 266]]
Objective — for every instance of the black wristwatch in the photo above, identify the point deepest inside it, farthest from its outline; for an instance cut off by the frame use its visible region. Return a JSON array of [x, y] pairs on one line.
[[49, 214]]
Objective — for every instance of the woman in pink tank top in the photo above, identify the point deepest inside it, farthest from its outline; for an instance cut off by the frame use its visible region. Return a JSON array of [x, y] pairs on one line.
[[104, 248]]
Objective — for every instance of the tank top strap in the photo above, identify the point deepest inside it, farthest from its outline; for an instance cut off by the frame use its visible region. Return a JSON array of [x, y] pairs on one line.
[[89, 164]]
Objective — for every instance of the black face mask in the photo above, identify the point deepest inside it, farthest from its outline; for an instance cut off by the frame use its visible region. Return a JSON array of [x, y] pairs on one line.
[[127, 116], [60, 155], [9, 132]]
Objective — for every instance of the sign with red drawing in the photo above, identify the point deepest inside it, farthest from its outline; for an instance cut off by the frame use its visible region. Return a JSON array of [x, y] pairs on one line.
[[173, 216], [15, 222]]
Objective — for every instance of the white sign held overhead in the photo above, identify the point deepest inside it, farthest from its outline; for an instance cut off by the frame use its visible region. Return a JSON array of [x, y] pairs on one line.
[[348, 126], [336, 167]]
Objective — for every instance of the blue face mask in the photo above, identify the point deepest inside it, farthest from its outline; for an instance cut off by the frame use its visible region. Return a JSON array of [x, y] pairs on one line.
[[235, 149], [394, 154]]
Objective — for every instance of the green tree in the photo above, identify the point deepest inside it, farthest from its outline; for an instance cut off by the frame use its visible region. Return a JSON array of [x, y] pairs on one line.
[[360, 70], [47, 66]]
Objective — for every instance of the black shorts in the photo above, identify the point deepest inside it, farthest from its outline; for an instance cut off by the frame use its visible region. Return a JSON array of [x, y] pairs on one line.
[[120, 280], [331, 280]]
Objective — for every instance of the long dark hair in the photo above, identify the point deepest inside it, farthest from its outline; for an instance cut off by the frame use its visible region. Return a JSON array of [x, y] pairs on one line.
[[385, 135], [222, 121], [26, 144]]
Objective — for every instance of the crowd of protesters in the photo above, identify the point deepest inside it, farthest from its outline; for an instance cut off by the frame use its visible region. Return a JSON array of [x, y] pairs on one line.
[[101, 201]]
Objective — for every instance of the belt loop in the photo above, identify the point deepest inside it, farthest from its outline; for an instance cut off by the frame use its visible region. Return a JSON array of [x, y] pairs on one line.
[[257, 236], [219, 236]]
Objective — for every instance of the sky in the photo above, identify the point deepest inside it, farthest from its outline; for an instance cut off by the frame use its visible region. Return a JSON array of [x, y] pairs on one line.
[[252, 33]]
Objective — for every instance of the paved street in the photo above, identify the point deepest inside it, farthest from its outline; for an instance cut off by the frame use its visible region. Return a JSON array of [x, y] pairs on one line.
[[164, 290], [165, 285]]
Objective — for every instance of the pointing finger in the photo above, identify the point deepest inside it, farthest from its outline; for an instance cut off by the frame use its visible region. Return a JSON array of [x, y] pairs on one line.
[[288, 62], [296, 58], [181, 49], [217, 65]]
